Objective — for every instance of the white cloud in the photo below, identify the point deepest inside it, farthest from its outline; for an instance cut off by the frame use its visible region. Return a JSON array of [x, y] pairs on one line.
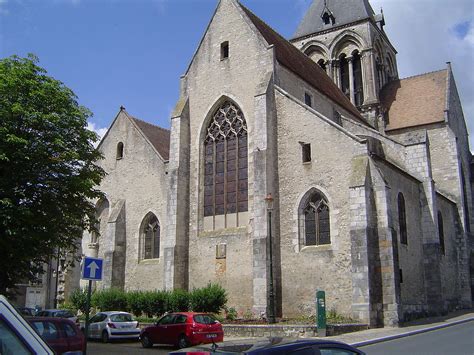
[[100, 131], [3, 9]]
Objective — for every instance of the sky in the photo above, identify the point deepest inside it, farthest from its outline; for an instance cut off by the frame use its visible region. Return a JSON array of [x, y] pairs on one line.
[[133, 52]]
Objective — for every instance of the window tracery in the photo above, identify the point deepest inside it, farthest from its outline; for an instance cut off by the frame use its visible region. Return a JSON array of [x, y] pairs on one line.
[[316, 221], [225, 162], [151, 237]]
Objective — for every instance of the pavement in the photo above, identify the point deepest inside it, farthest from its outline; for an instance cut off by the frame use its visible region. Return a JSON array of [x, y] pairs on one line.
[[377, 335]]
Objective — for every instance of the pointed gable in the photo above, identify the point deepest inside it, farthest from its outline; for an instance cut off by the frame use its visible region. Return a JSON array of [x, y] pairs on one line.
[[158, 137], [344, 12], [415, 101], [301, 65]]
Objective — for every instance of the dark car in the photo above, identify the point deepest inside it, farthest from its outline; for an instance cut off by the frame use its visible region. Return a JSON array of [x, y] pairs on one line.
[[26, 311], [275, 346], [60, 313], [61, 334], [182, 330]]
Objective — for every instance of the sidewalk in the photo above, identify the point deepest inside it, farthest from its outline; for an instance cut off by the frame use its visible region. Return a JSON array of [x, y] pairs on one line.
[[372, 336]]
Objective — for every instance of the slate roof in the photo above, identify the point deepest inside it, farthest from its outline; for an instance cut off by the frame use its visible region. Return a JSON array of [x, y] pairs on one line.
[[415, 101], [301, 65], [158, 137], [344, 11]]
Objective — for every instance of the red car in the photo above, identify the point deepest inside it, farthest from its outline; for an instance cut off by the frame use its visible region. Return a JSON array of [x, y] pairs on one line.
[[183, 329], [61, 334]]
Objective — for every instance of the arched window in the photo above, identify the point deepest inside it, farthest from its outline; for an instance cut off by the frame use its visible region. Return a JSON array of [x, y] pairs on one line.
[[441, 232], [358, 87], [151, 237], [402, 219], [225, 162], [344, 70], [316, 221], [101, 214], [119, 150]]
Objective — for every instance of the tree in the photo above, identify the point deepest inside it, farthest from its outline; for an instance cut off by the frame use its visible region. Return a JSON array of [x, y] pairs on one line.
[[48, 171]]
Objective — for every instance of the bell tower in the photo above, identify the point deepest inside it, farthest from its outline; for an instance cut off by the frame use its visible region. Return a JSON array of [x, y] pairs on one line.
[[347, 39]]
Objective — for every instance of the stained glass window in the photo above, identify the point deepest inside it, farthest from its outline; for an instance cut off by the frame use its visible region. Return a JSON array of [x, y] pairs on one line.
[[316, 221], [151, 237], [226, 162]]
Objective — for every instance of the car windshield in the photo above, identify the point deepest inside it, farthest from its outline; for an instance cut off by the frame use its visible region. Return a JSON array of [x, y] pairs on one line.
[[124, 317]]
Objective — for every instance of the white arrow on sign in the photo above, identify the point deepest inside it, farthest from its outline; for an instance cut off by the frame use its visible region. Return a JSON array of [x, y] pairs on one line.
[[93, 266]]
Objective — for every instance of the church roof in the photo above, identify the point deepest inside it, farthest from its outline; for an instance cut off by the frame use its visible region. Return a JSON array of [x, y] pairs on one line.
[[344, 12], [301, 65], [415, 101], [158, 137]]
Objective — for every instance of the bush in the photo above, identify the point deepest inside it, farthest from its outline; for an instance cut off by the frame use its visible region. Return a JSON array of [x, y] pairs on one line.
[[78, 300], [110, 300], [211, 298], [136, 301], [155, 303], [178, 301], [231, 314]]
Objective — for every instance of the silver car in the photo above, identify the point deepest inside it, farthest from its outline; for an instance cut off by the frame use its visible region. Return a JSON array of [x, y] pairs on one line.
[[113, 325], [58, 313]]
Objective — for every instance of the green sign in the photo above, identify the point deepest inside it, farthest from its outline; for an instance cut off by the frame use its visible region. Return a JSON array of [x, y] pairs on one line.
[[321, 312]]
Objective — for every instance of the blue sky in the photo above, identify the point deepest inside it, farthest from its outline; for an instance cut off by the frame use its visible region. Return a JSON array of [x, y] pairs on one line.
[[133, 52]]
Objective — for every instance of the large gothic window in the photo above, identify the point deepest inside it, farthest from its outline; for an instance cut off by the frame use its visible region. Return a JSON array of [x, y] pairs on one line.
[[358, 88], [150, 237], [225, 162], [402, 219], [316, 221]]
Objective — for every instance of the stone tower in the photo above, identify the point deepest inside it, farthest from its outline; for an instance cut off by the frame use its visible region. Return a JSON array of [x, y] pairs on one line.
[[346, 38]]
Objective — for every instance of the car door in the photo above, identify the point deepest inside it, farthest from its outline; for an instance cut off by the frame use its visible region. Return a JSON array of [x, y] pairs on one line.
[[94, 325], [175, 329], [74, 339], [160, 331], [50, 331]]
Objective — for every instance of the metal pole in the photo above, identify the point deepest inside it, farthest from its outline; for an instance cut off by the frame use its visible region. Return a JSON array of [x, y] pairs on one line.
[[88, 305], [271, 295]]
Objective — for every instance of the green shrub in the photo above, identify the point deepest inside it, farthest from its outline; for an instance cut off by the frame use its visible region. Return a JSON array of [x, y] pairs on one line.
[[178, 301], [231, 314], [136, 302], [111, 299], [154, 303], [78, 300], [211, 298]]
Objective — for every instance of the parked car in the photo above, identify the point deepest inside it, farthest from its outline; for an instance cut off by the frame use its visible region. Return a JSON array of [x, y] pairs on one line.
[[183, 329], [113, 325], [275, 346], [58, 313], [26, 311], [61, 334], [17, 336]]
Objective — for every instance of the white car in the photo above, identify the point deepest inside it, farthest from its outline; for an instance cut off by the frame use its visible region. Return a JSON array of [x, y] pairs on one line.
[[113, 325]]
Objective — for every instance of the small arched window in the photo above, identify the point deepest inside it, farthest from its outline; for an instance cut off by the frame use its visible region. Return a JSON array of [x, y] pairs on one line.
[[119, 151], [402, 219], [151, 237], [225, 162], [316, 221], [441, 232]]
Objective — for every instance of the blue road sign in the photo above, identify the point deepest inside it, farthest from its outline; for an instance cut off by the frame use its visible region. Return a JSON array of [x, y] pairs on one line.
[[92, 269]]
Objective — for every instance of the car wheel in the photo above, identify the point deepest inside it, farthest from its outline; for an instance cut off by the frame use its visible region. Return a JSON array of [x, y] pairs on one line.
[[105, 336], [146, 342], [183, 342]]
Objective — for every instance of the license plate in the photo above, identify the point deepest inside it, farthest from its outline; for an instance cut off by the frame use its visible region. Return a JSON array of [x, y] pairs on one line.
[[211, 335]]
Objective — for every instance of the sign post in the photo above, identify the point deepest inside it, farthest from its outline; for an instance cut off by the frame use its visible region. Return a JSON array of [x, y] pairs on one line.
[[321, 312], [92, 271]]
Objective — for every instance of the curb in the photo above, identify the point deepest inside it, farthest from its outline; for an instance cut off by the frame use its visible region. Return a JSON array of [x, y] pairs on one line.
[[409, 333]]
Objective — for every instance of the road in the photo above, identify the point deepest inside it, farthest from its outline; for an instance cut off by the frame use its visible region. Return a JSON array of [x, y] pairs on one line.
[[457, 339], [124, 347]]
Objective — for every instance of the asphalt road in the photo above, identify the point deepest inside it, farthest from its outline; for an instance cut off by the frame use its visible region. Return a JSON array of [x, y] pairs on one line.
[[124, 347], [457, 339]]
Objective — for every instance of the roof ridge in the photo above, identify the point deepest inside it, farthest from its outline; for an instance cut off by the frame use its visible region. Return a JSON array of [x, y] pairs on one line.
[[422, 74]]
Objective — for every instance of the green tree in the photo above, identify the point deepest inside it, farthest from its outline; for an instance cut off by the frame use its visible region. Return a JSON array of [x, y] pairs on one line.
[[48, 171]]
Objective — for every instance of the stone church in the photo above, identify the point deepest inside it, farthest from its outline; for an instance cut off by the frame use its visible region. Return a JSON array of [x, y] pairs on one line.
[[293, 166]]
